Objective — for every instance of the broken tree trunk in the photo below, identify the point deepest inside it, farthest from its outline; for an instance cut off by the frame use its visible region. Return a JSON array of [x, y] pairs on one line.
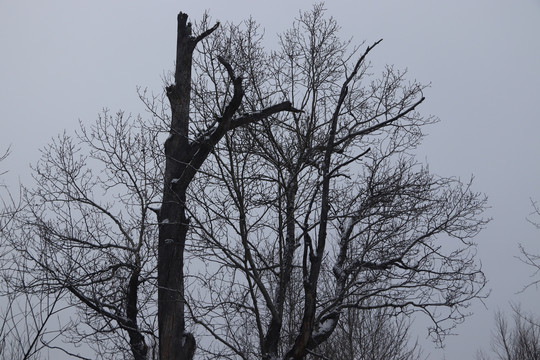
[[183, 160]]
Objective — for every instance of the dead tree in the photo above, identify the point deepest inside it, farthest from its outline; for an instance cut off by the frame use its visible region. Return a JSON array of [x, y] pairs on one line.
[[184, 156]]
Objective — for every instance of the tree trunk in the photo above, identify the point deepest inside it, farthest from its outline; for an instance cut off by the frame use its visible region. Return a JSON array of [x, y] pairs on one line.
[[174, 343], [136, 338], [183, 160]]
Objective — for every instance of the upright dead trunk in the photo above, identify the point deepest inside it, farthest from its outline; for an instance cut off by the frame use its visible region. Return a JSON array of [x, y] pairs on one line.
[[172, 215], [183, 159]]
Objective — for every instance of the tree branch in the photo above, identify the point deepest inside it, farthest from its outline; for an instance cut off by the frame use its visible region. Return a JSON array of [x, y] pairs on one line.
[[206, 33]]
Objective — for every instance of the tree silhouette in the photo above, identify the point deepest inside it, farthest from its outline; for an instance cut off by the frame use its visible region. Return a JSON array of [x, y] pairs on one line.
[[284, 196]]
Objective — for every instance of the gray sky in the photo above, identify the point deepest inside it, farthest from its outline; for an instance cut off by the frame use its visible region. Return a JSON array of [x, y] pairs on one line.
[[65, 60]]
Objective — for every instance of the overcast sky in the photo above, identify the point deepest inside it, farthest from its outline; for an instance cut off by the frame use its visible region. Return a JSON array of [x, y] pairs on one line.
[[65, 60]]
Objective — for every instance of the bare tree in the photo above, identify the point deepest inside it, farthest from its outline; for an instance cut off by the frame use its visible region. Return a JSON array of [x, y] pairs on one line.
[[517, 341], [23, 317], [23, 324], [286, 197], [3, 157], [305, 216], [7, 202], [87, 229], [369, 334], [530, 258]]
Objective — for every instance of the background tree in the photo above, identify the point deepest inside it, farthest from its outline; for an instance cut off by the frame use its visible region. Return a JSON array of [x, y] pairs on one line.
[[7, 204], [370, 334], [530, 258], [517, 341], [306, 216], [520, 340]]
